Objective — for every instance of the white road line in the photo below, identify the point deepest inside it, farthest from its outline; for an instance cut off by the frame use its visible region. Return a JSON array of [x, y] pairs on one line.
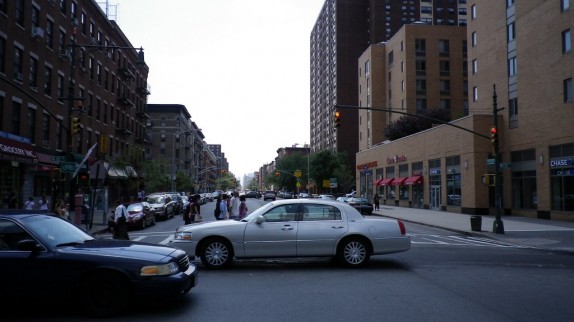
[[166, 241]]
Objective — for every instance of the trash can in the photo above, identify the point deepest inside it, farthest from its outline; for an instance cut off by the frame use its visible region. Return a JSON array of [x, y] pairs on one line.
[[476, 223]]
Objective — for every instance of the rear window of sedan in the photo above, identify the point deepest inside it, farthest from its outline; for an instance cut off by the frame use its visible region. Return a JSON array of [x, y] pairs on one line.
[[316, 212]]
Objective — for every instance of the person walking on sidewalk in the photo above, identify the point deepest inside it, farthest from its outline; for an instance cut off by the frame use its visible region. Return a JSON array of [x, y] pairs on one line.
[[121, 221], [376, 199]]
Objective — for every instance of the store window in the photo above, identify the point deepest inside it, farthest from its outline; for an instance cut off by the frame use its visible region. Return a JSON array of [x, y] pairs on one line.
[[524, 194], [435, 183], [390, 189], [562, 176], [454, 192], [403, 189]]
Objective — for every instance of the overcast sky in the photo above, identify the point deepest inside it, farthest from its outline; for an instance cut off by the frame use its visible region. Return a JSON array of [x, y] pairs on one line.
[[241, 67]]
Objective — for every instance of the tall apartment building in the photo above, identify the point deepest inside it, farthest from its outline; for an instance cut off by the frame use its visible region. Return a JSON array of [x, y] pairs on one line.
[[62, 61], [422, 67], [343, 31], [177, 140], [528, 72]]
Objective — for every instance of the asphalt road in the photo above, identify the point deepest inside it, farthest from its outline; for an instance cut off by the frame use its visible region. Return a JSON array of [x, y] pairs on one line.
[[444, 277]]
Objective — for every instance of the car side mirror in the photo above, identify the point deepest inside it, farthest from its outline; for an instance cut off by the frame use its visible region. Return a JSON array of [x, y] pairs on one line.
[[259, 220], [28, 245]]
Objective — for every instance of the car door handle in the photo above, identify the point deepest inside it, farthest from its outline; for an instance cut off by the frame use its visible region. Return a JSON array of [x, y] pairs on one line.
[[287, 227], [338, 227]]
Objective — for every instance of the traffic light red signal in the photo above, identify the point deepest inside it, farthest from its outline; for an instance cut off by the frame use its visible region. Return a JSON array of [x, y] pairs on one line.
[[493, 134], [337, 122]]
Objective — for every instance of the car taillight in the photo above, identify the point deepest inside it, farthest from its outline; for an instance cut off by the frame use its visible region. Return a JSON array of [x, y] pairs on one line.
[[402, 227]]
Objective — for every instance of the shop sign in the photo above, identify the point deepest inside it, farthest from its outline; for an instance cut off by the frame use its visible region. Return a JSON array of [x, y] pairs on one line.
[[561, 163], [15, 148], [433, 172], [372, 164], [396, 158]]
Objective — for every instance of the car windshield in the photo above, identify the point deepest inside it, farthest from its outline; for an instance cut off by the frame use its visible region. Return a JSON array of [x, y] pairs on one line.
[[135, 207], [358, 200], [156, 199], [54, 231]]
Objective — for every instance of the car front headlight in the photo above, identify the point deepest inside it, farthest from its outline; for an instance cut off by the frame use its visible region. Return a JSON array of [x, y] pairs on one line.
[[182, 235], [160, 270]]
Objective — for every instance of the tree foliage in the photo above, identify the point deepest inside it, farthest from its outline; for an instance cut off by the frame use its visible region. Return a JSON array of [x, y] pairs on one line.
[[326, 165], [155, 178], [408, 124]]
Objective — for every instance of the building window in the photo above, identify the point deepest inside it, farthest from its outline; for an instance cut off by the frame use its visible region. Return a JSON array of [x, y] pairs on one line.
[[561, 178], [444, 67], [50, 34], [453, 181], [391, 58], [512, 67], [403, 189], [421, 66], [566, 41], [511, 31], [35, 16], [509, 3], [564, 5], [473, 12], [443, 47], [444, 87], [20, 12], [475, 94], [420, 46], [513, 107], [367, 68], [31, 119], [46, 130], [48, 81], [2, 55], [568, 90], [18, 57], [421, 105], [474, 66], [421, 86], [445, 104], [524, 194], [473, 39], [16, 109], [33, 77], [60, 88]]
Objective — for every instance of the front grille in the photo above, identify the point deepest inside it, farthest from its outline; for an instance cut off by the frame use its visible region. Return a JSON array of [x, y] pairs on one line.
[[183, 263]]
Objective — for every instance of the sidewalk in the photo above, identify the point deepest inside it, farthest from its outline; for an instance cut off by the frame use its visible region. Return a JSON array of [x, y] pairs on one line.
[[536, 233]]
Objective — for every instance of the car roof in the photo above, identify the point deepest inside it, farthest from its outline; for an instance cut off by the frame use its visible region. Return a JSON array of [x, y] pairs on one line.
[[352, 213]]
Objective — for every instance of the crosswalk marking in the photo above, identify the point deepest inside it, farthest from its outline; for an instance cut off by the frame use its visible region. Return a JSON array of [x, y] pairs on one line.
[[454, 240]]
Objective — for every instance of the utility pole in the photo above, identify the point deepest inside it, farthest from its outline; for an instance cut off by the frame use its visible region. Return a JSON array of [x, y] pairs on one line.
[[498, 225]]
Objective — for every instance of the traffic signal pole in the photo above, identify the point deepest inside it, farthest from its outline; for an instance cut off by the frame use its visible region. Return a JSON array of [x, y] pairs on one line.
[[497, 225]]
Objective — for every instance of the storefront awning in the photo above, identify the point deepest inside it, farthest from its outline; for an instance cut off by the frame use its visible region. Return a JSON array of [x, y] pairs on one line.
[[399, 181], [387, 182], [131, 172], [117, 173], [414, 180], [377, 182]]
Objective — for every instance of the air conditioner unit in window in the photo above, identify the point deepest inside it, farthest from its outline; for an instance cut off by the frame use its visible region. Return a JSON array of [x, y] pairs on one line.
[[18, 76], [37, 32], [64, 53], [75, 22]]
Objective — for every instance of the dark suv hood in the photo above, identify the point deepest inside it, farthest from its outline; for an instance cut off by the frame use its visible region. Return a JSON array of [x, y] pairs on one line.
[[122, 248]]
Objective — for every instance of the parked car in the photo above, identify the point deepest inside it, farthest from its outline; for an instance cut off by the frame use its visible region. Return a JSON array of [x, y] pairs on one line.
[[162, 205], [178, 202], [252, 194], [303, 195], [269, 195], [342, 199], [294, 228], [363, 205], [44, 257], [328, 197], [140, 215], [351, 194]]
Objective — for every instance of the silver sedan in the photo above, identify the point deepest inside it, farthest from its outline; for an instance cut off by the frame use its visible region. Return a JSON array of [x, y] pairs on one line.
[[294, 228]]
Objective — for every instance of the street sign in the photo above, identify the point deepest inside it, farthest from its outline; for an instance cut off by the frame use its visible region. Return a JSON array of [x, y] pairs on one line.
[[58, 158], [68, 167], [297, 173], [506, 165]]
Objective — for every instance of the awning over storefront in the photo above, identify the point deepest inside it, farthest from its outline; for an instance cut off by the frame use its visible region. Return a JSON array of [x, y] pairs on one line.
[[386, 182], [131, 172], [117, 173], [16, 151], [414, 180], [377, 182], [399, 181]]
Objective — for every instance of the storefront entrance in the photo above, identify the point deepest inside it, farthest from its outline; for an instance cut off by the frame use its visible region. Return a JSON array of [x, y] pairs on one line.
[[435, 197]]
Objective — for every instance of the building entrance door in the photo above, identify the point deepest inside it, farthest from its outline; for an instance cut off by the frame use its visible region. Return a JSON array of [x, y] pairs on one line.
[[435, 197]]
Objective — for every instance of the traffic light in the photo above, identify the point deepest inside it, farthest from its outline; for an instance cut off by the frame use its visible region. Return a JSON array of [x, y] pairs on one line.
[[493, 134], [337, 119], [75, 125]]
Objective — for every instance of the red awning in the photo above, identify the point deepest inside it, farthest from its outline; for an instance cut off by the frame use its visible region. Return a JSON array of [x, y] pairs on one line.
[[414, 180], [378, 182], [386, 182], [399, 181]]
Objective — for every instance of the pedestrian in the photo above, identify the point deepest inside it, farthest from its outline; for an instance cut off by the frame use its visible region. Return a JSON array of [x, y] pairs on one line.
[[187, 213], [60, 210], [140, 195], [376, 201], [234, 206], [121, 221], [217, 211], [43, 204], [242, 208], [223, 208], [29, 205], [195, 213]]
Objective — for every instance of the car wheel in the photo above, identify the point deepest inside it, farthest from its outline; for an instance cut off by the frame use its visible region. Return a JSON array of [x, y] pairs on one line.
[[353, 252], [143, 226], [104, 294], [216, 254]]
